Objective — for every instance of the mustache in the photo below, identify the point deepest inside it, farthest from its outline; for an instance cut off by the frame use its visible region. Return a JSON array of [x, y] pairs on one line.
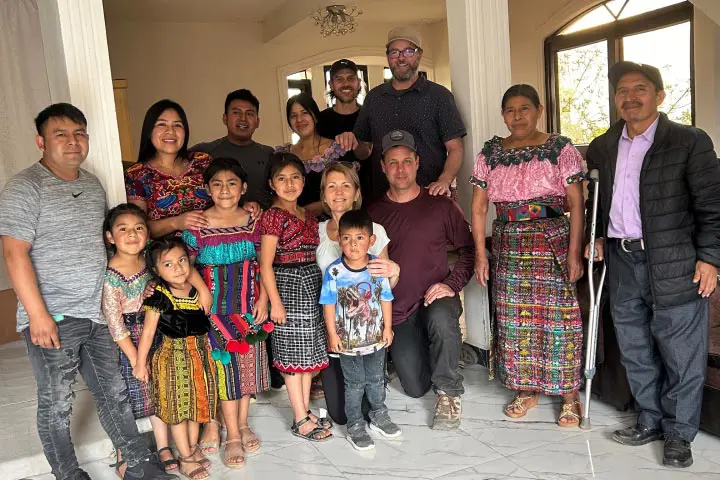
[[631, 104]]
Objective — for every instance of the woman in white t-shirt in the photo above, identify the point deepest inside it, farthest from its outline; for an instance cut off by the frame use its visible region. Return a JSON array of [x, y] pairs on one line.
[[340, 193]]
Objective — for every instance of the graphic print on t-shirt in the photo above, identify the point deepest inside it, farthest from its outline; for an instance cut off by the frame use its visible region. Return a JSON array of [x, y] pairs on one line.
[[357, 297]]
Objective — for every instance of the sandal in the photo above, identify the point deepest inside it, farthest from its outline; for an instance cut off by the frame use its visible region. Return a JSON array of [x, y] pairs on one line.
[[204, 461], [313, 435], [324, 422], [196, 474], [568, 414], [169, 465], [252, 445], [117, 466], [212, 446], [522, 403], [228, 454]]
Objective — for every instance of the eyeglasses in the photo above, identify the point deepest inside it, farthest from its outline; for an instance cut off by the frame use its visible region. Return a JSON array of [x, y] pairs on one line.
[[408, 52]]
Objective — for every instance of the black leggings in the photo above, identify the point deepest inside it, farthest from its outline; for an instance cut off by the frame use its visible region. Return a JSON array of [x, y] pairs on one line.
[[334, 387]]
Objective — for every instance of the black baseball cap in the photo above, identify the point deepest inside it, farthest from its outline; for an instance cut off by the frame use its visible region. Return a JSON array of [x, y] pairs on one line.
[[343, 64], [398, 138], [621, 68]]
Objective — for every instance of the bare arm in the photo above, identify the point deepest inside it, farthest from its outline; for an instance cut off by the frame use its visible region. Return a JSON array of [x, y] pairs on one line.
[[43, 330], [479, 209], [268, 247], [204, 295], [453, 162], [395, 278], [363, 150], [149, 327], [334, 340], [388, 334]]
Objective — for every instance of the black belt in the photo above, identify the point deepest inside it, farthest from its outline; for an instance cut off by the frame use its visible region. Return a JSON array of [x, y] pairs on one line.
[[630, 244]]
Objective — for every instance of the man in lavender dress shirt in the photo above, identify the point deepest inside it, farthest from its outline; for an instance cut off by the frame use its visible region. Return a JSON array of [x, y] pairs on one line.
[[659, 229]]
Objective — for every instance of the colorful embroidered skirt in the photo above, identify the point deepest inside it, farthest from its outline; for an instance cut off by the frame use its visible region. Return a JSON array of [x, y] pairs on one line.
[[234, 289], [184, 380], [140, 393], [300, 344], [538, 332]]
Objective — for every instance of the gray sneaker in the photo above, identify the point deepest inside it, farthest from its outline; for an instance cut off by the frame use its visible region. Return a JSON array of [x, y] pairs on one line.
[[447, 412], [359, 438], [384, 426]]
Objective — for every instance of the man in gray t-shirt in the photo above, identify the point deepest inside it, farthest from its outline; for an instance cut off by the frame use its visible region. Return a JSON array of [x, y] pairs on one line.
[[242, 119], [51, 217]]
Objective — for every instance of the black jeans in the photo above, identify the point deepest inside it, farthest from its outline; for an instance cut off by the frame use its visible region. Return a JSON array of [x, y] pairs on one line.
[[426, 349], [85, 347], [364, 380], [663, 350], [334, 387]]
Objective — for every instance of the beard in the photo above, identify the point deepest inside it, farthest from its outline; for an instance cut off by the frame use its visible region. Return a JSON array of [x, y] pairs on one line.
[[404, 77]]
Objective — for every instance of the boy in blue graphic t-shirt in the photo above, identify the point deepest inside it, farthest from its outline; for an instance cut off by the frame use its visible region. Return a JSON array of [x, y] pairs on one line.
[[358, 317]]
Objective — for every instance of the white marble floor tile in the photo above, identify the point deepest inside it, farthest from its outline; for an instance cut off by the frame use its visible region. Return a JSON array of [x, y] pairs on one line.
[[501, 469]]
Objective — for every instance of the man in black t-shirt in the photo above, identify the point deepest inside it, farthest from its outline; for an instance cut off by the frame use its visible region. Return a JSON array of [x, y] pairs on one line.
[[345, 85]]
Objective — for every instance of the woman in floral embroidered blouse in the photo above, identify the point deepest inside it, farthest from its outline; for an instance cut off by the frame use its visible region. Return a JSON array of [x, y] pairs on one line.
[[167, 182], [314, 151], [536, 256]]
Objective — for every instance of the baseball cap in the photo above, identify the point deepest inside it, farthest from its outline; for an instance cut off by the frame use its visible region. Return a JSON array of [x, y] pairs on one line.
[[621, 68], [404, 33], [398, 138], [343, 64]]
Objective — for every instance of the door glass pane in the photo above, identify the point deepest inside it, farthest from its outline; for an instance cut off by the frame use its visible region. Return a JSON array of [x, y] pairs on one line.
[[669, 50], [636, 7], [583, 86]]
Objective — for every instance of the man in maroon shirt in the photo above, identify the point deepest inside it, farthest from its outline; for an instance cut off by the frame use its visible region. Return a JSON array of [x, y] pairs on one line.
[[427, 308]]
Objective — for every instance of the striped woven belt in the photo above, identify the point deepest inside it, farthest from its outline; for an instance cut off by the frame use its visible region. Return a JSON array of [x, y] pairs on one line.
[[530, 211]]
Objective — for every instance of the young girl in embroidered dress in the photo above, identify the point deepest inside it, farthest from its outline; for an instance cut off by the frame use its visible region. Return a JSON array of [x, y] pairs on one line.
[[183, 373], [126, 232], [292, 279], [225, 254]]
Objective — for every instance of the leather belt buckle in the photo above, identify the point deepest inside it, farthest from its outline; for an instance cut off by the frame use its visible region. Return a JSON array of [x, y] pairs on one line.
[[627, 244]]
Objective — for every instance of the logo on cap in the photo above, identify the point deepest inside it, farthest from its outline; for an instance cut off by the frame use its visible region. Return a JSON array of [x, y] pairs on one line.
[[396, 135]]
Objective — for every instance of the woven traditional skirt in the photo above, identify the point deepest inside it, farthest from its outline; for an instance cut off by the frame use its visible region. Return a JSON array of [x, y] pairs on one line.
[[234, 289], [140, 393], [538, 344], [184, 380], [300, 344]]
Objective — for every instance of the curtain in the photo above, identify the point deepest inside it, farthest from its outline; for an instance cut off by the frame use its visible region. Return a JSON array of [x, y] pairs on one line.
[[24, 90]]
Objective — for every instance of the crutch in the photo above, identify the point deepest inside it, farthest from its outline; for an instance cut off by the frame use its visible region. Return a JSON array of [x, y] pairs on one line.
[[591, 343]]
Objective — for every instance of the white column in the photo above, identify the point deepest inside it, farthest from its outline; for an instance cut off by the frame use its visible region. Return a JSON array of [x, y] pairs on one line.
[[76, 54], [479, 44]]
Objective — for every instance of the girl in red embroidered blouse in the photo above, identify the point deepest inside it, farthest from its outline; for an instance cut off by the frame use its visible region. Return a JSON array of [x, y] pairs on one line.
[[292, 280]]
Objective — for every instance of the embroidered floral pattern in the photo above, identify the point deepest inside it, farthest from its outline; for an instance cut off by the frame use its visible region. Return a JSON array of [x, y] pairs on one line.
[[318, 163], [550, 150]]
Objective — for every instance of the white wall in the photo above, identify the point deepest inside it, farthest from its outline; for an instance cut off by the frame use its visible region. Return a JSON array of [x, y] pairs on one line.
[[531, 22], [197, 64]]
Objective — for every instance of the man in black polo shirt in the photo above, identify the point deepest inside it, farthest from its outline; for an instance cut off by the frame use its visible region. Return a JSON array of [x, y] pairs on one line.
[[340, 118], [421, 107]]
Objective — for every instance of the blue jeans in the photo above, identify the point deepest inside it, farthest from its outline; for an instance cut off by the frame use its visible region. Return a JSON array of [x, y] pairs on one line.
[[85, 347], [364, 375]]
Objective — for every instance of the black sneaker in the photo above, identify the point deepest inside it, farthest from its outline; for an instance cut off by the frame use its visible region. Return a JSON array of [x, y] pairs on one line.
[[359, 438], [149, 469], [677, 452]]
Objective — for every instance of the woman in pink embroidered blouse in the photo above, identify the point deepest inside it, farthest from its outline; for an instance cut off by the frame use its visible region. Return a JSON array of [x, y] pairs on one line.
[[536, 256], [314, 151]]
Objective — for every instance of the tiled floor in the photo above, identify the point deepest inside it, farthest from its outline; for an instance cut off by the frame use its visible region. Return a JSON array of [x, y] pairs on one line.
[[487, 446]]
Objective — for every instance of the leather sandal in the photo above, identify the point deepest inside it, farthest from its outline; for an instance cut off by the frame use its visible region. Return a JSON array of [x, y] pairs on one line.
[[199, 473], [523, 403], [567, 413], [171, 464], [252, 445], [324, 422], [212, 446], [236, 454], [317, 434], [117, 466], [204, 461]]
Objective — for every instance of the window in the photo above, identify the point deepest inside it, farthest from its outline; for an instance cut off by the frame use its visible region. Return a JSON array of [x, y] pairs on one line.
[[362, 75], [659, 32]]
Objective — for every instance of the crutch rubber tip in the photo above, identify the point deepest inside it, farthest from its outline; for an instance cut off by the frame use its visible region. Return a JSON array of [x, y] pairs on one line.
[[585, 424]]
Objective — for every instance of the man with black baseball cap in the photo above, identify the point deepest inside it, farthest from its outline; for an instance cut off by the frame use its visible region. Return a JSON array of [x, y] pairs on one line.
[[427, 307], [659, 231], [339, 120]]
